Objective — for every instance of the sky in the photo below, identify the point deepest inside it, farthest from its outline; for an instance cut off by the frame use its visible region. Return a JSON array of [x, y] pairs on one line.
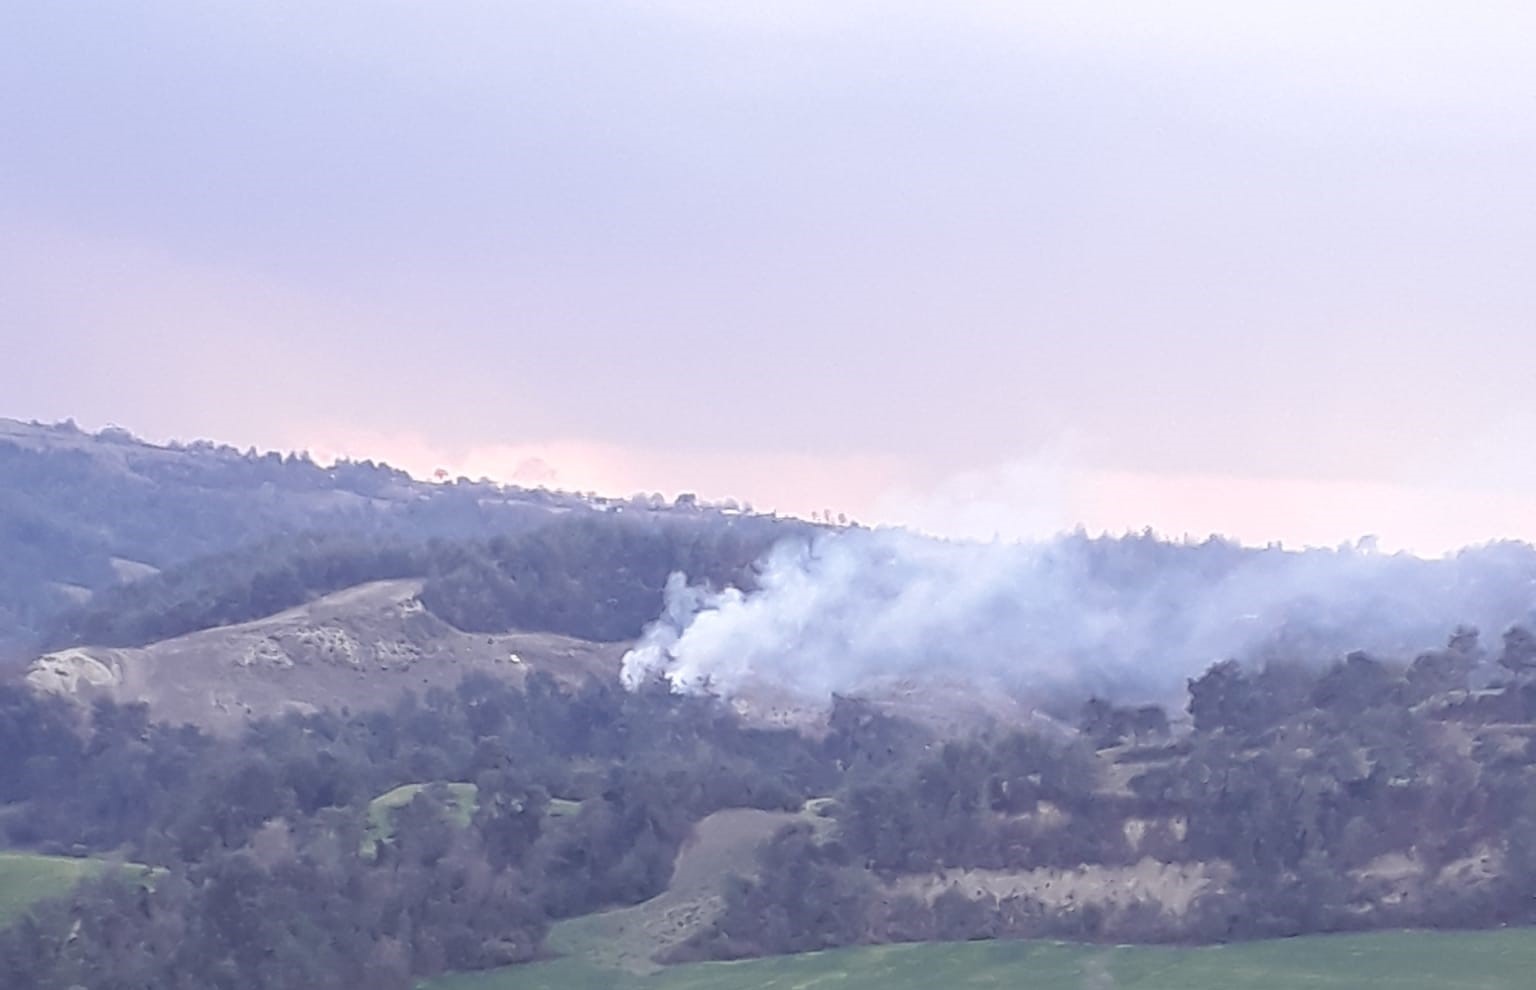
[[982, 268]]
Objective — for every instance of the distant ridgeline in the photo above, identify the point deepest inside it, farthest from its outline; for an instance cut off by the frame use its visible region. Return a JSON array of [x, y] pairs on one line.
[[109, 540]]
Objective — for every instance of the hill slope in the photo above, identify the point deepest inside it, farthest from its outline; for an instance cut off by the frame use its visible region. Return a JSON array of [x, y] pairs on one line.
[[629, 938], [360, 648], [82, 512]]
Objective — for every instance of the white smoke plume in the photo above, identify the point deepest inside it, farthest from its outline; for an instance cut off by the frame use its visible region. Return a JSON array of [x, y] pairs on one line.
[[1126, 619]]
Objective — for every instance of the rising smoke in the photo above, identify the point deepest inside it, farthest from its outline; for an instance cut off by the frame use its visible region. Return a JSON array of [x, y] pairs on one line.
[[1127, 619]]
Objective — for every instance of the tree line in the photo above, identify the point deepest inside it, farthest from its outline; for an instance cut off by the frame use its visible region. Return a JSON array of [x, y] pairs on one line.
[[587, 575]]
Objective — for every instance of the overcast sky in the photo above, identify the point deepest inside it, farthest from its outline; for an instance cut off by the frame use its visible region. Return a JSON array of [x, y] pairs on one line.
[[1263, 269]]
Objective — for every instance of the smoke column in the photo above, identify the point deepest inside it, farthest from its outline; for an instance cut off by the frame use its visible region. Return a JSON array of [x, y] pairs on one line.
[[1128, 619]]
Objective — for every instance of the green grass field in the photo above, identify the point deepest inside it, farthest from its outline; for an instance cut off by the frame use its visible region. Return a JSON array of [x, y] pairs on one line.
[[462, 798], [26, 878], [1495, 960]]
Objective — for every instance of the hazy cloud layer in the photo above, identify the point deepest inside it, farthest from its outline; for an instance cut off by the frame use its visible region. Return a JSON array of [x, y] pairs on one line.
[[1256, 241]]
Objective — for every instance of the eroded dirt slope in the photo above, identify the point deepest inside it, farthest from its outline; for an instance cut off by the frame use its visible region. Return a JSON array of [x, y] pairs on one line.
[[356, 649]]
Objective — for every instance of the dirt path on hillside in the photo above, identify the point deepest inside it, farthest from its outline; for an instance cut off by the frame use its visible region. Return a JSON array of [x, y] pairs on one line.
[[630, 938]]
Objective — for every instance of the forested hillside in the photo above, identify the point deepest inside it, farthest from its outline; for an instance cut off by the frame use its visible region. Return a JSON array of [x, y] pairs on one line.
[[411, 795], [584, 574], [1302, 798], [84, 513], [105, 539], [258, 869], [1298, 797]]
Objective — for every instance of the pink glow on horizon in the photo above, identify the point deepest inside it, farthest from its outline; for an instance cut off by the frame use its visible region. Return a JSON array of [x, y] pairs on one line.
[[1016, 501]]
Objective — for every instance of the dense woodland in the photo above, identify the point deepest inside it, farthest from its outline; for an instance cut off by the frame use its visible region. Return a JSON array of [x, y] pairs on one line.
[[255, 872], [1296, 777]]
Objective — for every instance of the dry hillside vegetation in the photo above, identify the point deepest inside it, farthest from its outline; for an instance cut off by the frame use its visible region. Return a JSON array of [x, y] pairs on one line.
[[355, 649]]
